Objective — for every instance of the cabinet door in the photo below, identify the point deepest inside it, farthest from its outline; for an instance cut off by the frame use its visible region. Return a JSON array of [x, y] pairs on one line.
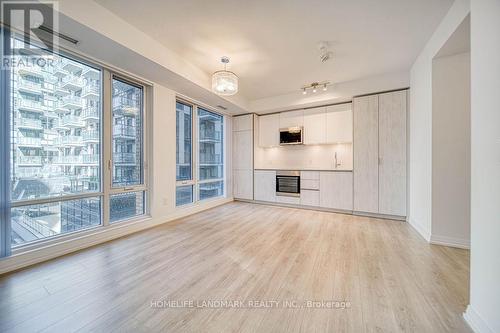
[[269, 130], [243, 184], [242, 150], [339, 123], [309, 198], [315, 126], [243, 123], [392, 153], [365, 147], [291, 119], [335, 190], [265, 185]]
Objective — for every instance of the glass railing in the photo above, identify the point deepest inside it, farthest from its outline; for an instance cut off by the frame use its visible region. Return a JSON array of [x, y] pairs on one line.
[[34, 160], [124, 157], [72, 120], [27, 122], [25, 140], [29, 84], [90, 112], [68, 140], [26, 103], [75, 100], [90, 135], [124, 130], [90, 89]]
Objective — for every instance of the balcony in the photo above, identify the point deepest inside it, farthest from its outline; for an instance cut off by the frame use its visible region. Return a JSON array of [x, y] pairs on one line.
[[59, 90], [70, 159], [29, 160], [72, 121], [91, 73], [91, 136], [125, 105], [29, 105], [29, 86], [26, 141], [124, 158], [72, 102], [72, 82], [91, 92], [33, 70], [90, 159], [27, 172], [210, 136], [124, 131], [90, 113], [69, 140], [210, 159], [27, 123]]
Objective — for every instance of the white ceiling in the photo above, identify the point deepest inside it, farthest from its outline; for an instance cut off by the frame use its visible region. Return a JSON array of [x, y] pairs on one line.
[[273, 44]]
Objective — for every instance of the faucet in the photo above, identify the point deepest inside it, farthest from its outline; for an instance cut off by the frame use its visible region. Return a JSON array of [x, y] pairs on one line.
[[337, 164]]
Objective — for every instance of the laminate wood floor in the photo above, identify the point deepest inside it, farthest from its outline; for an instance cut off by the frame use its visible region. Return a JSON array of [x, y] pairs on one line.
[[247, 254]]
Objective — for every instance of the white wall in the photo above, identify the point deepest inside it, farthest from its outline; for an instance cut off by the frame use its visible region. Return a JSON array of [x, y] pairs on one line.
[[483, 312], [420, 118], [337, 93], [304, 157], [451, 150]]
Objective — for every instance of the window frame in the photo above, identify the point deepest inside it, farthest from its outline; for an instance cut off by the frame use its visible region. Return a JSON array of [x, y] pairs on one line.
[[195, 155], [106, 189]]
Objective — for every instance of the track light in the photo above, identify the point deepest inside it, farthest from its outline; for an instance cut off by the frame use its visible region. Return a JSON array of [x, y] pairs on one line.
[[314, 87]]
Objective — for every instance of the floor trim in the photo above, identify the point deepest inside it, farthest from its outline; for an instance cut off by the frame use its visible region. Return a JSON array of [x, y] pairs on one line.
[[450, 241], [420, 229], [474, 320]]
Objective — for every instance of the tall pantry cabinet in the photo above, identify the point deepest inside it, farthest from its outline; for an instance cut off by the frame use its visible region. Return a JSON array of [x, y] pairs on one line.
[[379, 144]]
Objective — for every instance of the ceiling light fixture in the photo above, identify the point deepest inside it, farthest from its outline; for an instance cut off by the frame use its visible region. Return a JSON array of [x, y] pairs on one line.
[[224, 82], [314, 86]]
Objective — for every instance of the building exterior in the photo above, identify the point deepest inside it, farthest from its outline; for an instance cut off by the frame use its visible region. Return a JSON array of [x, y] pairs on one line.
[[56, 144]]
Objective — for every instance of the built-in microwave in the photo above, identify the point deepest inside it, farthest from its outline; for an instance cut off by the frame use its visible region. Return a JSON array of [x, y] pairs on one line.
[[291, 135]]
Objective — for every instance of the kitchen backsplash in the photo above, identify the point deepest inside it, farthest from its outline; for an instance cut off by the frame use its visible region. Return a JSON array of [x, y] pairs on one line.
[[303, 157]]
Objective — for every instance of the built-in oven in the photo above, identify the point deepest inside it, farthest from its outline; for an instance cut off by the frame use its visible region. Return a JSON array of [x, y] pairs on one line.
[[288, 183]]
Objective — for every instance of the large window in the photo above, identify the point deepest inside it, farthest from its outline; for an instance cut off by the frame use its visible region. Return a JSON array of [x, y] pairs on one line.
[[209, 163], [58, 177], [211, 157]]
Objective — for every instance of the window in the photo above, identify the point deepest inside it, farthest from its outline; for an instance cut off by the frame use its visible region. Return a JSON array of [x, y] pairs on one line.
[[209, 164], [58, 179], [210, 144]]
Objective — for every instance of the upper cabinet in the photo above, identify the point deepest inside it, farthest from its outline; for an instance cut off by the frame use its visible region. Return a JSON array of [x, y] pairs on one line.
[[291, 119], [243, 123], [339, 123], [269, 126], [315, 126]]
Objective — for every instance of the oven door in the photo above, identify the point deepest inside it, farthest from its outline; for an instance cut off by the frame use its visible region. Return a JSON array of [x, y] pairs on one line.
[[288, 185]]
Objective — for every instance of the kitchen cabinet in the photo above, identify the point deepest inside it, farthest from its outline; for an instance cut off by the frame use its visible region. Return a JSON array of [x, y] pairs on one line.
[[291, 119], [366, 154], [265, 185], [339, 123], [380, 153], [392, 153], [315, 126], [242, 147], [336, 190], [269, 126], [309, 197], [288, 200]]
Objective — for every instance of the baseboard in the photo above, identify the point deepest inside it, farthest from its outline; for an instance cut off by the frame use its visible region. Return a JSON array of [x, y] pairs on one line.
[[97, 236], [474, 320], [450, 241], [420, 229]]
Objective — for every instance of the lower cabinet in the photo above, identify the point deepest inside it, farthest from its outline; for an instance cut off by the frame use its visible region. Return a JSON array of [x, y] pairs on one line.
[[309, 198], [288, 200], [242, 184], [265, 185], [335, 190]]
